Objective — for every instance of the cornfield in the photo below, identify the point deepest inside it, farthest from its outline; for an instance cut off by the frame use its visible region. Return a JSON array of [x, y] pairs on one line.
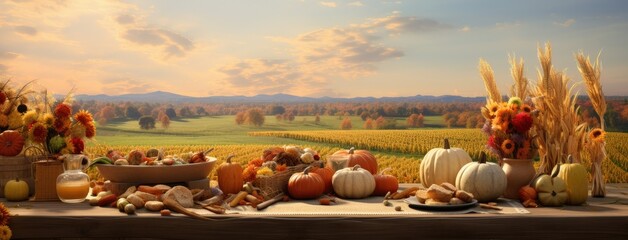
[[418, 142]]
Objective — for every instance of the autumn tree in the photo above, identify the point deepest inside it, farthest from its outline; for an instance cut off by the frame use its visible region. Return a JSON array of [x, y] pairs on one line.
[[368, 124], [380, 122], [147, 122], [132, 112], [317, 120], [105, 115], [239, 118], [254, 116], [346, 124], [164, 120], [414, 120]]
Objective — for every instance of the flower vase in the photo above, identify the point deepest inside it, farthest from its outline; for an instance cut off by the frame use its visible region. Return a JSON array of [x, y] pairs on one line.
[[519, 172]]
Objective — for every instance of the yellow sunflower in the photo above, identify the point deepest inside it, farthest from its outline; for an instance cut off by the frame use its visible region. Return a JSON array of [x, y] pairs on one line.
[[493, 107], [597, 135], [30, 117], [48, 119], [526, 108], [5, 232], [508, 147]]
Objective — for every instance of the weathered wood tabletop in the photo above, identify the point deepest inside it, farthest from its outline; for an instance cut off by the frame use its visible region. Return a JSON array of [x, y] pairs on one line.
[[600, 218]]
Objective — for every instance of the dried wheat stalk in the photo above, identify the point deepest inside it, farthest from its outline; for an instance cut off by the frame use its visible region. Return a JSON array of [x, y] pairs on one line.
[[520, 87], [591, 76], [560, 132], [489, 82]]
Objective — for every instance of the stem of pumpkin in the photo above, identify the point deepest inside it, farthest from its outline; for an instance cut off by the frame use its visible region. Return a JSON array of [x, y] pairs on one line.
[[307, 170], [351, 150], [555, 173], [229, 158], [382, 172], [356, 167], [569, 159], [446, 144], [482, 157]]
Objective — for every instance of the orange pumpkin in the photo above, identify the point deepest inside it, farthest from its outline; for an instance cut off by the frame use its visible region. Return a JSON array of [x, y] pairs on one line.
[[230, 176], [527, 193], [11, 143], [305, 185], [364, 158], [326, 173], [385, 183]]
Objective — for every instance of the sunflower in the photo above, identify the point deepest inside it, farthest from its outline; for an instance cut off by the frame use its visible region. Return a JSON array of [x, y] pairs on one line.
[[48, 119], [30, 117], [597, 135], [526, 108], [38, 132], [5, 232], [508, 147], [504, 114], [63, 110], [514, 107], [84, 117], [492, 108], [4, 214]]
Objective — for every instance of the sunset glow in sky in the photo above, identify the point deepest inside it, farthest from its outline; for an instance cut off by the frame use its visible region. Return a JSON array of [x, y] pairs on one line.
[[331, 48]]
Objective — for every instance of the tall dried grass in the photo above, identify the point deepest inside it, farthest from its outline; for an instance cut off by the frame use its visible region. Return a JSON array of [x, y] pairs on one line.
[[489, 82], [520, 87], [560, 131]]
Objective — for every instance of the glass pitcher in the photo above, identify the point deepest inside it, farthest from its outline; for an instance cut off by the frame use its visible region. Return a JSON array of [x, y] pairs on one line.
[[73, 183]]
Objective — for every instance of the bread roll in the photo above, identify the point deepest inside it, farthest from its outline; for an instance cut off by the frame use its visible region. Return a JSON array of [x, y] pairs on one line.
[[439, 193]]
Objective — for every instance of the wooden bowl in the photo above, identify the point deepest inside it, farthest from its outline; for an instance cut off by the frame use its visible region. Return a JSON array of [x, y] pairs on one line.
[[157, 174]]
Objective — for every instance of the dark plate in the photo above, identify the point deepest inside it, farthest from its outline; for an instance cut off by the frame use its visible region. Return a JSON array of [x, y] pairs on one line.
[[415, 204]]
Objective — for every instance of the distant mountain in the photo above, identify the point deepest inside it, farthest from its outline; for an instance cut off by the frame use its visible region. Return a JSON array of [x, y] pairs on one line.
[[161, 97]]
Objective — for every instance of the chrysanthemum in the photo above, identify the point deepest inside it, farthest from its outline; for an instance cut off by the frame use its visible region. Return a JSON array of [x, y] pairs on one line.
[[515, 100], [504, 114], [597, 135], [84, 117], [5, 232], [90, 130], [38, 132], [522, 122], [4, 121], [30, 117], [508, 147], [47, 119], [62, 124], [63, 110], [4, 214], [78, 145]]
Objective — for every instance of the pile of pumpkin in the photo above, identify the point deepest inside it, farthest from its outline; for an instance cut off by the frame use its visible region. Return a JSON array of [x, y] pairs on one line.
[[359, 180], [487, 181]]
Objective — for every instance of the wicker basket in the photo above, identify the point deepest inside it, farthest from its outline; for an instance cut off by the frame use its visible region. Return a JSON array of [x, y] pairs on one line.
[[15, 167], [278, 183], [46, 173]]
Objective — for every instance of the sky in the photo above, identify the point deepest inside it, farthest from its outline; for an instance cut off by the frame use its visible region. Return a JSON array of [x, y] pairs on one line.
[[353, 48]]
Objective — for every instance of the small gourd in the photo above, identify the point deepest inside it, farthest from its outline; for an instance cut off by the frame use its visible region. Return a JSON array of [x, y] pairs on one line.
[[576, 180], [385, 183], [551, 190], [442, 165], [230, 176], [353, 182]]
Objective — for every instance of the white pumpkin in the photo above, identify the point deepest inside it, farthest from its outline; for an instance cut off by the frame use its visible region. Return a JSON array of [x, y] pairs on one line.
[[442, 165], [486, 181], [353, 182]]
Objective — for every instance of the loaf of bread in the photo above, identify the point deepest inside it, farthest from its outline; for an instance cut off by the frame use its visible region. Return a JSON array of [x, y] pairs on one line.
[[449, 186], [421, 195], [464, 196], [439, 193]]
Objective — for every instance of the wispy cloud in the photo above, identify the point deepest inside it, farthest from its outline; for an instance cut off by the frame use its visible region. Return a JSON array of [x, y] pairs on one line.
[[507, 25], [8, 55], [329, 4], [355, 4], [566, 23], [465, 29], [395, 23], [26, 30]]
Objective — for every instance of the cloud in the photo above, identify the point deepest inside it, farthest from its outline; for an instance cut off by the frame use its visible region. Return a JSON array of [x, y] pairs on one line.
[[396, 24], [355, 4], [329, 4], [168, 44], [26, 30], [121, 85], [465, 29], [8, 55], [566, 23], [261, 76]]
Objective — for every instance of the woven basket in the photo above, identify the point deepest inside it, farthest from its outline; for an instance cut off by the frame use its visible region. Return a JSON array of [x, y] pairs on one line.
[[15, 167], [46, 173], [278, 183]]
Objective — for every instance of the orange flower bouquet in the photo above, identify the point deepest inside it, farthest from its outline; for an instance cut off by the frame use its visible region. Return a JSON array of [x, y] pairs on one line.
[[508, 126]]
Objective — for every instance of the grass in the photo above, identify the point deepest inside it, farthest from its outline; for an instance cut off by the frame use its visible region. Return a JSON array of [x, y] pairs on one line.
[[221, 130]]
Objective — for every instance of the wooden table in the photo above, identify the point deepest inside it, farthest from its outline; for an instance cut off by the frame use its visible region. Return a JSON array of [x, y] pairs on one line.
[[601, 218]]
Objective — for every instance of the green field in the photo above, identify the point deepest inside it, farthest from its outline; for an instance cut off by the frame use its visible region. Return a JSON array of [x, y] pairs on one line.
[[222, 130]]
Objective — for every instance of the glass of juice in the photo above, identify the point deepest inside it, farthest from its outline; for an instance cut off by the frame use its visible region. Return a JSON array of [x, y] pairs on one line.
[[73, 183]]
